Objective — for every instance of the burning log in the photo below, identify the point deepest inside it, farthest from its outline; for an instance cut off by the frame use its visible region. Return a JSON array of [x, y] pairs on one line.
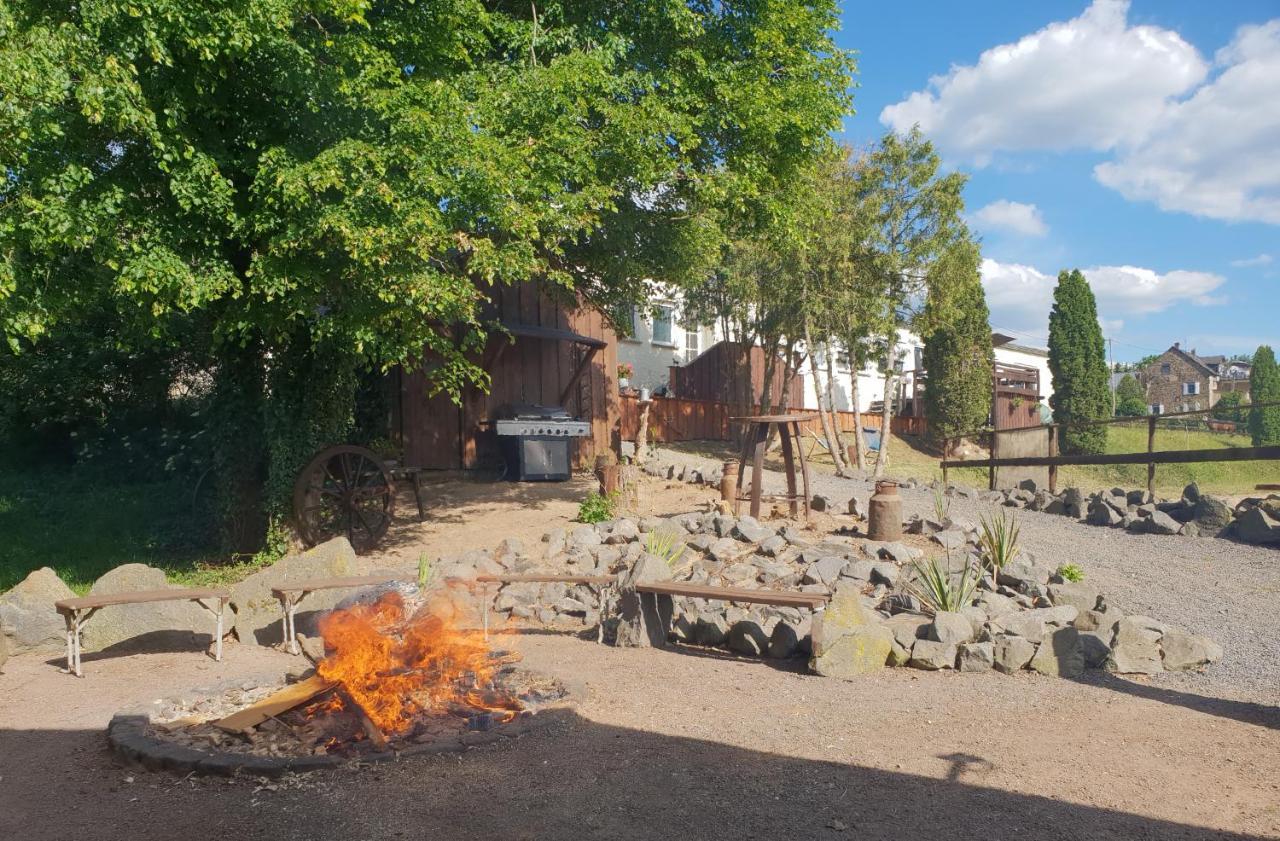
[[376, 736]]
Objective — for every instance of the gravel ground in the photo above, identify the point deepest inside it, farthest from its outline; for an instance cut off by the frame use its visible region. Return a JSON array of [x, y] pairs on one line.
[[1227, 591]]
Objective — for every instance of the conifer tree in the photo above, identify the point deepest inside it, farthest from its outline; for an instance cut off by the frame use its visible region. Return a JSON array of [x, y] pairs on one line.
[[1264, 387], [1077, 360], [958, 357], [1131, 400]]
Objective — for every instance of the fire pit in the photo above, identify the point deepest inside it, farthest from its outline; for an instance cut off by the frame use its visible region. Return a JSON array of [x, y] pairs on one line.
[[395, 682]]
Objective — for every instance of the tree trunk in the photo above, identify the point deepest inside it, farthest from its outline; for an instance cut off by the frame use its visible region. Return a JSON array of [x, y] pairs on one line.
[[823, 417], [886, 415], [838, 443], [766, 386], [642, 434], [859, 443]]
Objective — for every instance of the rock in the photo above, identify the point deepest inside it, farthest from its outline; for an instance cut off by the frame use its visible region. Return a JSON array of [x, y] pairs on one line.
[[976, 656], [508, 550], [863, 649], [180, 624], [644, 619], [1103, 621], [895, 551], [951, 628], [584, 536], [1161, 523], [824, 571], [1022, 571], [845, 612], [953, 539], [751, 531], [1079, 596], [1011, 653], [1189, 530], [1073, 503], [312, 647], [1103, 514], [4, 651], [790, 637], [1028, 624], [859, 570], [1137, 497], [1136, 648], [820, 503], [1060, 654], [725, 550], [885, 573], [773, 546], [258, 613], [747, 637], [1095, 647], [1191, 494], [907, 628], [995, 604], [857, 508], [1182, 651], [933, 655], [1055, 505], [27, 615], [711, 628], [1257, 526], [623, 531]]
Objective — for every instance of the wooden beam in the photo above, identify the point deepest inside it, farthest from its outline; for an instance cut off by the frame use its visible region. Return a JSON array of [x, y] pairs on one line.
[[577, 375], [286, 699], [1158, 457]]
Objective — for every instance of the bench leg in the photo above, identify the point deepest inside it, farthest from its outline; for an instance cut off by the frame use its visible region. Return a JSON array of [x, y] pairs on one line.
[[71, 665], [484, 609], [217, 640], [292, 627], [75, 645]]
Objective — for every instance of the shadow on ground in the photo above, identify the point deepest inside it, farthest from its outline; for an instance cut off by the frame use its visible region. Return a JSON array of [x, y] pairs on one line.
[[571, 779]]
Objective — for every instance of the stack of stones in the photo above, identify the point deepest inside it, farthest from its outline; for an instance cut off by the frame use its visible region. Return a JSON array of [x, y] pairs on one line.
[[1253, 520], [1032, 619]]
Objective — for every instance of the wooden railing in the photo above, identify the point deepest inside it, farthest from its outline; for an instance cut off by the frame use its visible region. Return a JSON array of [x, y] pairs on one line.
[[1150, 458], [673, 419]]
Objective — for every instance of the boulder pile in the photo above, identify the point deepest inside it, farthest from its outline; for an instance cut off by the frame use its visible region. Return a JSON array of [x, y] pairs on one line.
[[1253, 520]]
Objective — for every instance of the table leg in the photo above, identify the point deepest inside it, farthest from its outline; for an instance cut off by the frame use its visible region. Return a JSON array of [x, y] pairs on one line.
[[757, 467], [788, 461], [417, 494], [747, 438], [804, 473]]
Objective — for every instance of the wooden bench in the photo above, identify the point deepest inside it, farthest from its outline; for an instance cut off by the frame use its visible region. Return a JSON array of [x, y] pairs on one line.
[[77, 612], [777, 598], [291, 594]]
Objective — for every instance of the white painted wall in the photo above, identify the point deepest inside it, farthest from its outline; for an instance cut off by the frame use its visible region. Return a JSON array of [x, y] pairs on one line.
[[660, 341]]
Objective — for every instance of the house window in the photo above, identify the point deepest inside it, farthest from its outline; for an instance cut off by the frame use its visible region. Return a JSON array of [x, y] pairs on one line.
[[1166, 368], [843, 362], [1155, 409], [663, 317], [1191, 388], [692, 343]]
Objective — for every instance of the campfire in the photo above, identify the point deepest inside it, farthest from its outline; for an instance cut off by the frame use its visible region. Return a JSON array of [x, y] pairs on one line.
[[392, 677]]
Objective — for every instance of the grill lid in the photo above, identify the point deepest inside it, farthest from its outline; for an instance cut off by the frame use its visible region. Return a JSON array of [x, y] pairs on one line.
[[532, 411]]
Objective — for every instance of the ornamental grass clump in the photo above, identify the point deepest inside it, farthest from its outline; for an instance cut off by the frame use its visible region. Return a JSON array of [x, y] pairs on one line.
[[939, 589], [998, 541], [666, 545]]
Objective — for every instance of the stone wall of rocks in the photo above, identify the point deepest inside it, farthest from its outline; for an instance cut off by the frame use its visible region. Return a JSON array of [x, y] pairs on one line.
[[1253, 520]]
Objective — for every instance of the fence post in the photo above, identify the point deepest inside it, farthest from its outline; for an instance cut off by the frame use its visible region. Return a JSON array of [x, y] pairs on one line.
[[991, 466], [1151, 465], [1053, 451], [946, 447]]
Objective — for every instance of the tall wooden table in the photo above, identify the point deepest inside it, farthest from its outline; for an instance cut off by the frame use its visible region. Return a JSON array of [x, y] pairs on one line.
[[754, 444]]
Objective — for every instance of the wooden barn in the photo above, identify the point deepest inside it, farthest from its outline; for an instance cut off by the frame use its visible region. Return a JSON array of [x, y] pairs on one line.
[[555, 356]]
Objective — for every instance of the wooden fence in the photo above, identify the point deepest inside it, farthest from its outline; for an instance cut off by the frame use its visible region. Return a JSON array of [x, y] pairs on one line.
[[673, 419], [1150, 458]]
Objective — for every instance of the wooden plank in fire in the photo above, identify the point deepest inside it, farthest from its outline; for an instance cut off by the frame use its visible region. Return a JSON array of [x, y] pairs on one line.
[[243, 721]]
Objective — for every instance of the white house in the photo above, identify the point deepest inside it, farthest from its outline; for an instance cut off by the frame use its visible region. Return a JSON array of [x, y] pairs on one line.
[[660, 339]]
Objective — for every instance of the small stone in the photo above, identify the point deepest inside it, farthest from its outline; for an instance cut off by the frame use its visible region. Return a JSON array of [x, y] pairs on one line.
[[976, 656], [710, 628], [747, 637], [950, 628], [820, 503], [1136, 648], [933, 655], [863, 649], [1011, 653], [1183, 651], [790, 637]]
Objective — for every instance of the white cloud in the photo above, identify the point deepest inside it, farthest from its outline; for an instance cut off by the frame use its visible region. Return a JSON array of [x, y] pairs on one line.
[[1021, 296], [1217, 154], [1252, 262], [1090, 82], [1012, 216]]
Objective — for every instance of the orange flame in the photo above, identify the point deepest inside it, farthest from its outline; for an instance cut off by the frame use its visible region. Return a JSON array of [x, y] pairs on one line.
[[397, 670]]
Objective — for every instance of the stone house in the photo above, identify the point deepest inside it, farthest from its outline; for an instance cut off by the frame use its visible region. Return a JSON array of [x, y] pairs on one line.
[[1179, 381]]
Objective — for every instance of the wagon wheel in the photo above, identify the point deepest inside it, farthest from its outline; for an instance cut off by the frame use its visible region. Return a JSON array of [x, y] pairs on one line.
[[344, 491]]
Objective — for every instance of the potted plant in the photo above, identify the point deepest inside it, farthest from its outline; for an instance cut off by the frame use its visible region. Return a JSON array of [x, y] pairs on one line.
[[624, 375]]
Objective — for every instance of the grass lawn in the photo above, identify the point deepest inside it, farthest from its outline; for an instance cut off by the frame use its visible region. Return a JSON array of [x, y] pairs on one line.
[[910, 458], [82, 523]]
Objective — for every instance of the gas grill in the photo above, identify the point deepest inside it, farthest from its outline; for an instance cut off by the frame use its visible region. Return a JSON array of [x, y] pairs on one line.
[[536, 442]]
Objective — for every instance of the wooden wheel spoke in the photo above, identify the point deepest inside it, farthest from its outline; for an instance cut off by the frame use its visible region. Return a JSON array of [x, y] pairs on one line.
[[344, 491]]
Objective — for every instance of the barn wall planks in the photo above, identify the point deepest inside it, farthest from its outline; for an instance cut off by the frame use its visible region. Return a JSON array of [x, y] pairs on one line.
[[437, 434]]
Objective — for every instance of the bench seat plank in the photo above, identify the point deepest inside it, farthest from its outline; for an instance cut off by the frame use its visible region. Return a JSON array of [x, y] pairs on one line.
[[313, 584], [545, 579], [141, 596], [778, 598]]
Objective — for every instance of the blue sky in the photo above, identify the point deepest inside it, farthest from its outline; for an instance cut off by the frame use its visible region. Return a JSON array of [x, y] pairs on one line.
[[1138, 141]]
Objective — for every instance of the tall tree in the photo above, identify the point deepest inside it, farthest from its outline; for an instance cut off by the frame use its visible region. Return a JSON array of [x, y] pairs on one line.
[[1264, 387], [915, 220], [339, 183], [1078, 363], [958, 356], [1131, 400]]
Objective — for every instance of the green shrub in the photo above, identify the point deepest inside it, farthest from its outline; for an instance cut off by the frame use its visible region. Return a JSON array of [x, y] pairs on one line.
[[666, 545], [1071, 572], [998, 540], [1228, 407], [597, 508], [938, 588]]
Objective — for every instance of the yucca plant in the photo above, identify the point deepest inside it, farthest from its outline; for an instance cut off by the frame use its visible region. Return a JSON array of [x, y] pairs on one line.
[[665, 545], [939, 589], [998, 541], [425, 572], [941, 504]]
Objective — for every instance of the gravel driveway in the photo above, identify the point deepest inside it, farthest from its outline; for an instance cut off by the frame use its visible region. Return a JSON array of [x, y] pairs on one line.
[[1227, 591]]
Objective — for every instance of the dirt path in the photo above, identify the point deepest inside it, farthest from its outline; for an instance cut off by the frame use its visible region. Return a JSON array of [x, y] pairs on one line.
[[686, 744]]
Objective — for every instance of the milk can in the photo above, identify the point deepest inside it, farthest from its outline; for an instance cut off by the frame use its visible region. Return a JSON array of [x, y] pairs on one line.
[[729, 481], [885, 513]]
